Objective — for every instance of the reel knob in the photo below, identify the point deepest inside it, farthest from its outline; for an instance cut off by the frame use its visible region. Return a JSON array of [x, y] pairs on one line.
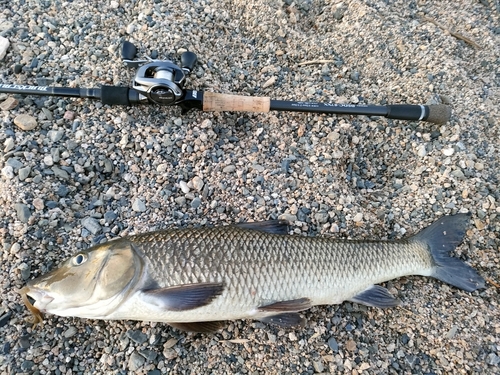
[[188, 60]]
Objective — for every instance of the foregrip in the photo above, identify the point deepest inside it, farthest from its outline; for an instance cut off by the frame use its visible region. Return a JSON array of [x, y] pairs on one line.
[[115, 95]]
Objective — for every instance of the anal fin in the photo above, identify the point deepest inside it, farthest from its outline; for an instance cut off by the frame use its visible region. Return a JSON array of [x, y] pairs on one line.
[[200, 327], [376, 296], [284, 320], [293, 305]]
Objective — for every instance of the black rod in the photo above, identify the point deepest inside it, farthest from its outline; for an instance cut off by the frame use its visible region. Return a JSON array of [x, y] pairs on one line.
[[437, 113], [78, 92], [314, 107]]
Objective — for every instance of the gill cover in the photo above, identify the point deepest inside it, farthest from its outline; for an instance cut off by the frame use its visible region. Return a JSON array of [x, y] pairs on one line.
[[90, 283]]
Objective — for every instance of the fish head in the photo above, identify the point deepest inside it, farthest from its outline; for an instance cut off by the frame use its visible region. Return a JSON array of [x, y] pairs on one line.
[[90, 284]]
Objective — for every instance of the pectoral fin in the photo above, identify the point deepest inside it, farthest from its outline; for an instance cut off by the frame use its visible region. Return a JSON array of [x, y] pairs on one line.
[[200, 327], [376, 296], [183, 297], [284, 320]]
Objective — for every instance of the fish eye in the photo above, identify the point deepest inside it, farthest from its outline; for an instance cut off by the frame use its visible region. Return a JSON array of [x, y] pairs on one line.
[[79, 259]]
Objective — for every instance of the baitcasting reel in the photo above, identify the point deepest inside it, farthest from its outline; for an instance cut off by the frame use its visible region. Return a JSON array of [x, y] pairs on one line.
[[159, 81]]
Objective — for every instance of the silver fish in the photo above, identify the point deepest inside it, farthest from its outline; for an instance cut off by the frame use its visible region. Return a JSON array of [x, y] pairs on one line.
[[197, 278]]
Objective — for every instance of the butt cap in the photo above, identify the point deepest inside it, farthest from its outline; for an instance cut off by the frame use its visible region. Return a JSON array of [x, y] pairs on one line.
[[439, 113]]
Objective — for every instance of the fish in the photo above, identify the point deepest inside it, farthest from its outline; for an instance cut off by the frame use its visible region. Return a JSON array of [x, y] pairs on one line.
[[198, 278]]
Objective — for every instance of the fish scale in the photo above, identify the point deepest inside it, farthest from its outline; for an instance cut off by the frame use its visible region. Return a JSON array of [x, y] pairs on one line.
[[276, 267]]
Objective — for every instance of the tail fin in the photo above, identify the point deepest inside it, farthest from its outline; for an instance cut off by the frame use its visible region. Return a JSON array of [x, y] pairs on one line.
[[442, 237]]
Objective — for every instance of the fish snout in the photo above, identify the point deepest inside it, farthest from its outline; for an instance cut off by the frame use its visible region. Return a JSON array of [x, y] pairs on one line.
[[41, 297]]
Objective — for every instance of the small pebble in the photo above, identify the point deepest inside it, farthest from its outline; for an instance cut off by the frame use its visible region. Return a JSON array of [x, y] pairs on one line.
[[55, 135], [24, 173], [269, 82], [91, 224], [332, 343], [448, 151], [8, 104], [60, 173], [196, 203], [229, 169], [9, 145], [135, 361], [197, 183], [184, 187], [318, 366], [137, 336], [138, 205], [358, 217], [350, 345], [452, 332], [70, 332], [4, 46], [69, 115], [8, 172], [48, 161], [23, 212]]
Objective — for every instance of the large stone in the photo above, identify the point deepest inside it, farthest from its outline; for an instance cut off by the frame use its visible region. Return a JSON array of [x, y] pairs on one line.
[[25, 122]]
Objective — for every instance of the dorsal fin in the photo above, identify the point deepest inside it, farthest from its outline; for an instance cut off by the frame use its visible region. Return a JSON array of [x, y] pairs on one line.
[[268, 226]]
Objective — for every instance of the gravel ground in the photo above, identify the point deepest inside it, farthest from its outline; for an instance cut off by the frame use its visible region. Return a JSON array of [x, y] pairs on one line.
[[87, 172]]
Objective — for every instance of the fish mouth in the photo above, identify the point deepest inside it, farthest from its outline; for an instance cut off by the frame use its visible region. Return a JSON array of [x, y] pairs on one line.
[[41, 300]]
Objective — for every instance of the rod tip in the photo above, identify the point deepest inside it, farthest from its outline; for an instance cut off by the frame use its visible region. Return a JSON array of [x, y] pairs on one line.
[[439, 114]]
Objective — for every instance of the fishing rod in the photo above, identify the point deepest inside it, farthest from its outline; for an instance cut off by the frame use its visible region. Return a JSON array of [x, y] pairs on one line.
[[162, 82]]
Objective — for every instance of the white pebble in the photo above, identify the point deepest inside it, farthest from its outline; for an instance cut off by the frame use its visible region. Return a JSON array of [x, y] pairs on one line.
[[9, 144], [162, 167], [4, 46], [448, 151], [38, 203], [184, 187], [8, 172], [206, 124], [48, 160], [358, 217], [197, 183], [421, 151], [130, 28], [269, 82]]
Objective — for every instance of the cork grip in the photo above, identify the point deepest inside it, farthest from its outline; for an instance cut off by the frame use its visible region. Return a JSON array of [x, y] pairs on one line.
[[234, 103]]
